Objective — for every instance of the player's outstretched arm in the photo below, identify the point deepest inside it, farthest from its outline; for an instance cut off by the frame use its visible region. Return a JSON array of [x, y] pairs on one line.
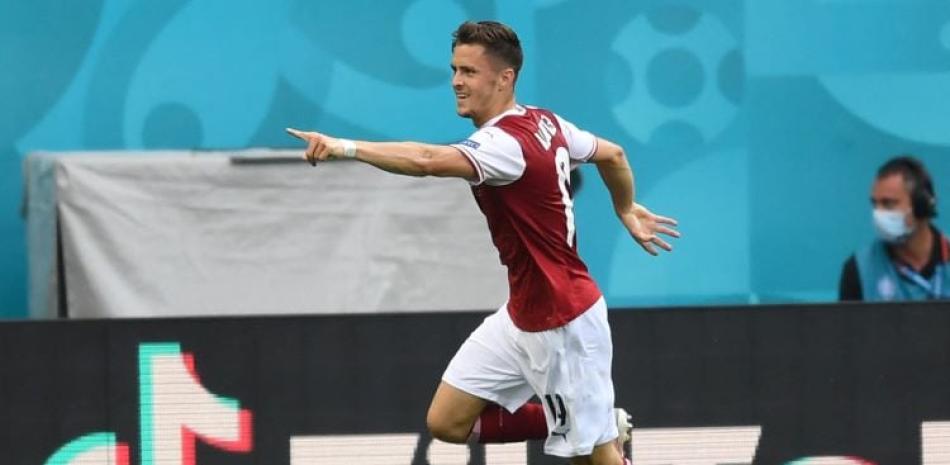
[[644, 226], [408, 158]]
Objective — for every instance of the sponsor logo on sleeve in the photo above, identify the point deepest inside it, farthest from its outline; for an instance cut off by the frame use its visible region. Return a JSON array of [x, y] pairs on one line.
[[470, 144]]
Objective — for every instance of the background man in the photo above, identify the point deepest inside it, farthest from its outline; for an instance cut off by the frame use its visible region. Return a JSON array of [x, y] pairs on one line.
[[909, 258]]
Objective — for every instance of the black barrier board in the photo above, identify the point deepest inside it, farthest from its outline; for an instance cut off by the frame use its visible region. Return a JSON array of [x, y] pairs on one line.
[[835, 384]]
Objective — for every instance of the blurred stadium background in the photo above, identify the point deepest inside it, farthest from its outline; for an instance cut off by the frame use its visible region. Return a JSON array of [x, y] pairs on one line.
[[757, 123]]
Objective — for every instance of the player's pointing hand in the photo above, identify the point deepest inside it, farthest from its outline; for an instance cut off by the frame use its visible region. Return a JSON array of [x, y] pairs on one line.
[[319, 146]]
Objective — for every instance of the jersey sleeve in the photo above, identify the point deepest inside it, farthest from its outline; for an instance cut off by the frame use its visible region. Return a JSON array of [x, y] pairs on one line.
[[496, 156], [581, 144]]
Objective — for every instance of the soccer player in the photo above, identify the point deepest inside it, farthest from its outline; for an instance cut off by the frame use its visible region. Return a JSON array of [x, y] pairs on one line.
[[551, 338]]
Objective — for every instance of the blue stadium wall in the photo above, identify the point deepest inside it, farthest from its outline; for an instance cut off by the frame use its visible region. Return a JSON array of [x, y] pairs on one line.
[[757, 123]]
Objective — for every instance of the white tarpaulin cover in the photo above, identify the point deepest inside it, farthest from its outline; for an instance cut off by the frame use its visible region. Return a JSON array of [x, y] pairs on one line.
[[254, 232]]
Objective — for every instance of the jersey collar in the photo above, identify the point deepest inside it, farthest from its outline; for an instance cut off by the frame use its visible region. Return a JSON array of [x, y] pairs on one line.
[[516, 110]]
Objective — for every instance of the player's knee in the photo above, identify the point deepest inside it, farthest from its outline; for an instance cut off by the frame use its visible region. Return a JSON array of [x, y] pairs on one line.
[[444, 429], [604, 454]]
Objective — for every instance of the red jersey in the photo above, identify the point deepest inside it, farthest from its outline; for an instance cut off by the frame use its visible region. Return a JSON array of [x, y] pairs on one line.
[[523, 158]]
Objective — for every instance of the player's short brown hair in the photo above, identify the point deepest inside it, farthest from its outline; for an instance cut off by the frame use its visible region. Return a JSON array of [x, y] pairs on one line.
[[498, 39]]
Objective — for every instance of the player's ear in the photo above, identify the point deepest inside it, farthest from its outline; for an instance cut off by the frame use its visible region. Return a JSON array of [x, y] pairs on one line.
[[507, 80]]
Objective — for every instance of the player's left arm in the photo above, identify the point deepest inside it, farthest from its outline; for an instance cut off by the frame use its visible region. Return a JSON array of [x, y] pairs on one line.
[[406, 158], [644, 226]]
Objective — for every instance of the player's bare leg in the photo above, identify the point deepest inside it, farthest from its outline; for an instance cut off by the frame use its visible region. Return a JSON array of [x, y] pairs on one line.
[[453, 413], [604, 454]]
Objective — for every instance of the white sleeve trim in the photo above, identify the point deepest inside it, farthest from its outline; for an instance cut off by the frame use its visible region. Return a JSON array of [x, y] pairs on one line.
[[593, 150], [581, 145], [479, 172], [497, 156]]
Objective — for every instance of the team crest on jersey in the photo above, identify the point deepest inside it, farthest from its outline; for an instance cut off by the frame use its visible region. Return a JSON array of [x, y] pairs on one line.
[[470, 143]]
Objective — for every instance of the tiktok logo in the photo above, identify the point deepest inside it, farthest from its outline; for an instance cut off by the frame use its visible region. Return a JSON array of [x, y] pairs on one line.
[[175, 411]]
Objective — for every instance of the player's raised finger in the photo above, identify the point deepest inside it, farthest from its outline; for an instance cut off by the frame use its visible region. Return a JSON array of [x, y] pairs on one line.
[[663, 244], [667, 231], [665, 220], [648, 247], [296, 133]]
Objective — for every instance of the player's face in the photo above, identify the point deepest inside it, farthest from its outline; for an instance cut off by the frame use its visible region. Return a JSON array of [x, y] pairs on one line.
[[477, 83]]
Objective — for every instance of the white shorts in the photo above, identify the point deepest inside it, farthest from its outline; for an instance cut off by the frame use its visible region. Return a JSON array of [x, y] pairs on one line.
[[568, 368]]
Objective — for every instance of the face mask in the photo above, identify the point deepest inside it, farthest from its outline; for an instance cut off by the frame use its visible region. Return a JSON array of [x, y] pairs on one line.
[[890, 226]]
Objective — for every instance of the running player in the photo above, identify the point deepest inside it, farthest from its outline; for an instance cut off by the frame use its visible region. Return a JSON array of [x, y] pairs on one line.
[[551, 338]]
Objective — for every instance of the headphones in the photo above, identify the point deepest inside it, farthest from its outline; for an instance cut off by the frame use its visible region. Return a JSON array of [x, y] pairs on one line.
[[922, 198]]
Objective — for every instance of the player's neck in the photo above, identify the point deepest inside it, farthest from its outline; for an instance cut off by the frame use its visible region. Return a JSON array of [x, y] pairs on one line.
[[495, 110]]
